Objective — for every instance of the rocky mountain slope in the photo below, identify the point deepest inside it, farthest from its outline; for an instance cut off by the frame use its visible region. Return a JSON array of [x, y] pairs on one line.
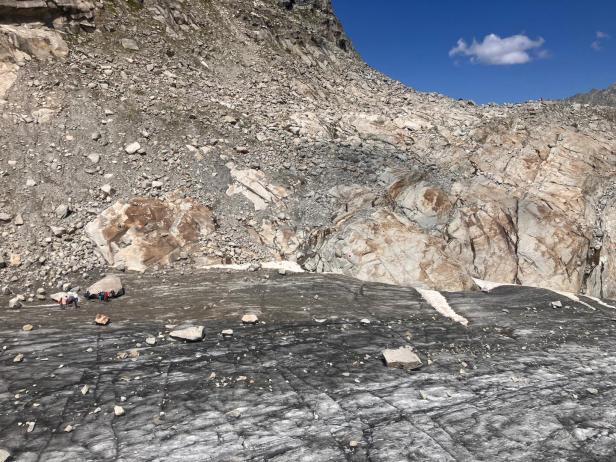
[[598, 97], [195, 133]]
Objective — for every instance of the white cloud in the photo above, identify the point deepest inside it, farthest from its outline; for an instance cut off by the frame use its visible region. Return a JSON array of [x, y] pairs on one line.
[[600, 37], [493, 50]]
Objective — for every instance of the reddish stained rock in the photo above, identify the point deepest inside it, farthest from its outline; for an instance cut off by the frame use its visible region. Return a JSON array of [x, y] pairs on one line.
[[102, 319], [149, 231]]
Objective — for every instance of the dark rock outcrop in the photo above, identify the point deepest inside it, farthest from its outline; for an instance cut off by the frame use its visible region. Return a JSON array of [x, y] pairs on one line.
[[597, 97], [46, 11]]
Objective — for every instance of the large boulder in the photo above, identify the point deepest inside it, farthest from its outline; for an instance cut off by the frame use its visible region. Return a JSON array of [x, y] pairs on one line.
[[16, 302], [109, 283], [147, 231], [58, 296]]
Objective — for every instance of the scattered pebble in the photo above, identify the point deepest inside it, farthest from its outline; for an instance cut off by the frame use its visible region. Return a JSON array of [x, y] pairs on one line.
[[402, 357], [190, 334], [102, 319], [235, 413], [118, 411], [250, 319]]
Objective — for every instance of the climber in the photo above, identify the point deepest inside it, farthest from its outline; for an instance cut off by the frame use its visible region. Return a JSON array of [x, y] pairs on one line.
[[72, 299]]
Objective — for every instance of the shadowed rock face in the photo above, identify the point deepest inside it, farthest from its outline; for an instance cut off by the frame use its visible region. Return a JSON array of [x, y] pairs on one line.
[[524, 380], [45, 10]]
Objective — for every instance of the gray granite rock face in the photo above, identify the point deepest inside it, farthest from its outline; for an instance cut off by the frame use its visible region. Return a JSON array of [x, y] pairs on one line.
[[522, 382]]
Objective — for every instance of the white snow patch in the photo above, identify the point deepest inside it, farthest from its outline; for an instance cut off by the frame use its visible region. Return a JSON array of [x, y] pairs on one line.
[[290, 266], [234, 267], [487, 286], [600, 302], [440, 304]]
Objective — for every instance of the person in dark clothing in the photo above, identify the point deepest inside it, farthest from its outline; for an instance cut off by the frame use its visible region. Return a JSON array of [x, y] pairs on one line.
[[72, 300]]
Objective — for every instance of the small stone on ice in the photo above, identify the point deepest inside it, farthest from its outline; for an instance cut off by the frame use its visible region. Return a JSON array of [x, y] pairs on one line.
[[150, 341], [19, 358], [191, 334], [27, 328], [118, 411], [250, 319], [15, 302], [557, 304], [403, 357], [227, 333], [68, 428], [4, 455], [102, 319], [353, 443], [365, 321], [235, 413]]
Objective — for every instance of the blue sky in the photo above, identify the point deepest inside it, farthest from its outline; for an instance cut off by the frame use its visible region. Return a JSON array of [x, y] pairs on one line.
[[540, 48]]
